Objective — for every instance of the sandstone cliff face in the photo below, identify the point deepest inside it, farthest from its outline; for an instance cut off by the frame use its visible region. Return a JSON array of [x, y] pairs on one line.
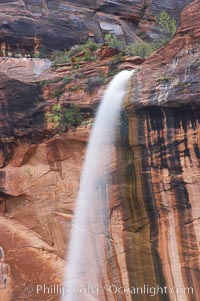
[[154, 209], [39, 179], [29, 26], [160, 160], [40, 171]]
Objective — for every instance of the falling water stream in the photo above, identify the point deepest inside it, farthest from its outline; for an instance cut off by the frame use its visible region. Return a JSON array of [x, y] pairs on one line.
[[40, 65], [91, 213]]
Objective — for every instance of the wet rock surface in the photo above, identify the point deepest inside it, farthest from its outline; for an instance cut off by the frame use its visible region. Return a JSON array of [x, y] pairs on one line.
[[162, 175]]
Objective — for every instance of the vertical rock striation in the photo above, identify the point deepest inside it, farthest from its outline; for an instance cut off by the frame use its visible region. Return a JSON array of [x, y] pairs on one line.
[[160, 164]]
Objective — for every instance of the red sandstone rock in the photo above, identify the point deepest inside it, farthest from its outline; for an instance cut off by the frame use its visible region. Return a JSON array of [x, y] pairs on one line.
[[154, 209], [107, 52], [163, 151]]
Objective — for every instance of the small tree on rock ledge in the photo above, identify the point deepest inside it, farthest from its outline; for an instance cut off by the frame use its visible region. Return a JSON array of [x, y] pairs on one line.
[[64, 118], [168, 26]]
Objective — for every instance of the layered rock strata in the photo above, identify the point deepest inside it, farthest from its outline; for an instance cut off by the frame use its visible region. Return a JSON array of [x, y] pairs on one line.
[[39, 27]]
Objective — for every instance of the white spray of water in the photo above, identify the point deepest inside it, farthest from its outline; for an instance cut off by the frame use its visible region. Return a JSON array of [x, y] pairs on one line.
[[40, 65], [90, 216]]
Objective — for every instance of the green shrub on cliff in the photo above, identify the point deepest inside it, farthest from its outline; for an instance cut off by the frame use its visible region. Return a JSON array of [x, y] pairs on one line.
[[93, 46], [87, 50], [64, 118], [56, 93], [142, 49], [167, 25], [116, 59], [92, 83], [89, 45], [54, 116], [88, 56], [112, 41], [60, 57]]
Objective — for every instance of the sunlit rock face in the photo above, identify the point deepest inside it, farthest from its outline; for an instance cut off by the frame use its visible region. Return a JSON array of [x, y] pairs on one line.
[[29, 26], [160, 164], [38, 188], [40, 172]]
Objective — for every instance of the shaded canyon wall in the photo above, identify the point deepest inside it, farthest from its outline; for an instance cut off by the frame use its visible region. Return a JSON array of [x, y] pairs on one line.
[[39, 27]]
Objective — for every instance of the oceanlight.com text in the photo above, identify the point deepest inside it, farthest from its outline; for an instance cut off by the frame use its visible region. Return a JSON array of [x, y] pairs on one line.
[[55, 289]]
